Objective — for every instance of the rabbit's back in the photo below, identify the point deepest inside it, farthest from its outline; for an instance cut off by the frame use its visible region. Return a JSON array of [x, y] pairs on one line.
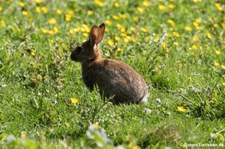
[[115, 78]]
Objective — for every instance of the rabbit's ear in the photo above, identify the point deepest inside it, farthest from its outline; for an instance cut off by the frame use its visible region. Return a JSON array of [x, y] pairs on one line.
[[101, 32], [94, 35]]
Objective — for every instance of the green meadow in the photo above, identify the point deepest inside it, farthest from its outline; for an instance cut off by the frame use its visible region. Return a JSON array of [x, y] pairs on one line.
[[178, 46]]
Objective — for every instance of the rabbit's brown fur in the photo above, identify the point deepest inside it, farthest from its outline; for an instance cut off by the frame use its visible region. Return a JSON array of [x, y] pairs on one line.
[[114, 78]]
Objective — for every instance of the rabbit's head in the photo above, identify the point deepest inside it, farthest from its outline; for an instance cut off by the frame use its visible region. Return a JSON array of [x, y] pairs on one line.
[[89, 50]]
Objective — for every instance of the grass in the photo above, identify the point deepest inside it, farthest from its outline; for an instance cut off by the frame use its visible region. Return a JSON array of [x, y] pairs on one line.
[[177, 46]]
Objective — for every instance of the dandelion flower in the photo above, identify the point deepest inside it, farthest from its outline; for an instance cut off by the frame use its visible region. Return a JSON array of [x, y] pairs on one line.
[[223, 83], [171, 22], [223, 67], [37, 1], [188, 28], [144, 29], [99, 3], [209, 35], [135, 18], [38, 9], [90, 12], [1, 9], [146, 3], [110, 42], [23, 134], [195, 39], [117, 38], [176, 34], [74, 100], [216, 64], [162, 7], [219, 6], [3, 23], [22, 4], [171, 6], [25, 13], [196, 1], [68, 17], [44, 9], [115, 17], [140, 9], [218, 52], [52, 21], [117, 5], [181, 108], [59, 11], [163, 44], [108, 22]]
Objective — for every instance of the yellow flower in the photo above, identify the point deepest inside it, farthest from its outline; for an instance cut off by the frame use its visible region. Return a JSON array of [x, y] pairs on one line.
[[25, 13], [223, 67], [115, 17], [219, 6], [38, 1], [144, 29], [135, 147], [71, 31], [51, 32], [188, 28], [163, 44], [110, 42], [135, 18], [171, 6], [171, 22], [117, 38], [216, 64], [117, 5], [223, 83], [85, 35], [56, 29], [140, 9], [146, 3], [162, 7], [123, 16], [44, 9], [127, 38], [108, 22], [194, 47], [59, 11], [156, 39], [218, 52], [209, 35], [74, 100], [33, 53], [215, 25], [68, 17], [38, 9], [1, 9], [197, 25], [3, 24], [45, 31], [176, 43], [52, 21], [22, 4], [223, 25], [196, 1], [195, 39], [90, 12], [176, 34], [23, 135], [181, 108], [99, 3]]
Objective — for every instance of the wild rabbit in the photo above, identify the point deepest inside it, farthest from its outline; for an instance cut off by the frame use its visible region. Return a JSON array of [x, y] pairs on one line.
[[114, 78]]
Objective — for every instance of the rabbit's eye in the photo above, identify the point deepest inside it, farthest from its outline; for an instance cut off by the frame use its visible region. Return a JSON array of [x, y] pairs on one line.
[[79, 49]]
